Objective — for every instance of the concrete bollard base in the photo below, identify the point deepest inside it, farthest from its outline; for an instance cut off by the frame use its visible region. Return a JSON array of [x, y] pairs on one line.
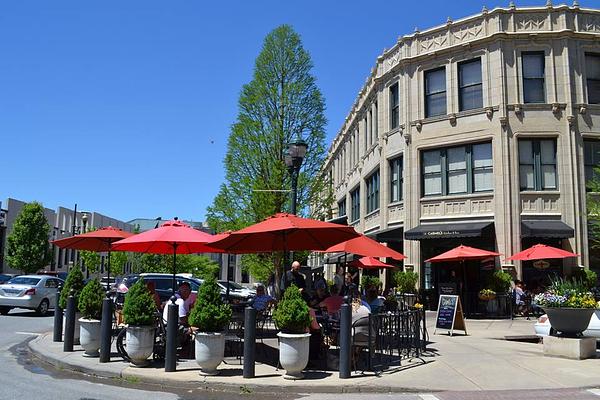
[[572, 348]]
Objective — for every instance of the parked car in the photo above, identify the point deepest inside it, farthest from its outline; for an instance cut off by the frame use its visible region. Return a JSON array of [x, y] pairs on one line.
[[34, 292], [236, 288], [542, 326], [6, 277], [62, 275], [163, 284]]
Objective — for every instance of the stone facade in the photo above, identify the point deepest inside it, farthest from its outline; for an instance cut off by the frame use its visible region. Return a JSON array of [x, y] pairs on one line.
[[498, 38]]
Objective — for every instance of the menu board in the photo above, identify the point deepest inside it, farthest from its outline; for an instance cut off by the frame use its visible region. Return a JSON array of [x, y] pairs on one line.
[[450, 315]]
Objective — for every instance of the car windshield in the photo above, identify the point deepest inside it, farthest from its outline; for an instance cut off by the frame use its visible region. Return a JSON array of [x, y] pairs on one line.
[[23, 280], [232, 285]]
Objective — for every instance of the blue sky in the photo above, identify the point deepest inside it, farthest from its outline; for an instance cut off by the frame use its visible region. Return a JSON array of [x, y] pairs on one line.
[[124, 107]]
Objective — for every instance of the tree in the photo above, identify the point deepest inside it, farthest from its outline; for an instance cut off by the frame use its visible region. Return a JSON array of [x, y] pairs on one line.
[[281, 104], [593, 209], [28, 247], [197, 265]]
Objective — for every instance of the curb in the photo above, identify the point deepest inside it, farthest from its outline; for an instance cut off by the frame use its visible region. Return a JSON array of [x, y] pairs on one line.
[[245, 386]]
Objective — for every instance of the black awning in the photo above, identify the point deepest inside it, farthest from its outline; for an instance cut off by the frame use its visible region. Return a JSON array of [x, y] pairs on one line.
[[393, 234], [449, 230], [546, 229], [337, 258], [343, 220]]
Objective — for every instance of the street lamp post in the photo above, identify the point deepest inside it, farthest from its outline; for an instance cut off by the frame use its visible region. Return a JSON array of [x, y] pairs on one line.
[[293, 160]]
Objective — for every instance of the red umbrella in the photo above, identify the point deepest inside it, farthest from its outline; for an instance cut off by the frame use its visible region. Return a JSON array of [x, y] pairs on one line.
[[541, 251], [462, 253], [370, 263], [365, 246], [98, 240], [173, 237], [284, 232]]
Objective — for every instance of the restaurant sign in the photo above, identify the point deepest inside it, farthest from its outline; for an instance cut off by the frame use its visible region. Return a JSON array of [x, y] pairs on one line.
[[541, 264], [442, 233]]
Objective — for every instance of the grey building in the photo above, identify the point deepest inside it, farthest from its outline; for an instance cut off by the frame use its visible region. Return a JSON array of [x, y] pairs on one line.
[[481, 131]]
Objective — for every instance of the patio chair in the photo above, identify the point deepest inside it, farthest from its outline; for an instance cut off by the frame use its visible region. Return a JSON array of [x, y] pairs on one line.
[[363, 337]]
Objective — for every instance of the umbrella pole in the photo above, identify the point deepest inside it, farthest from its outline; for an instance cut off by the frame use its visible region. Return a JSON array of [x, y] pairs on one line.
[[174, 282], [108, 274]]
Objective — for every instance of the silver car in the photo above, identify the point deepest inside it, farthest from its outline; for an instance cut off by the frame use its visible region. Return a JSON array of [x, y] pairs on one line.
[[34, 292]]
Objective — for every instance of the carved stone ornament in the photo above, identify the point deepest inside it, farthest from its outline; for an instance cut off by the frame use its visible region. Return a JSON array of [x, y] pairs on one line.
[[518, 109], [407, 138], [570, 120], [582, 110], [555, 108], [531, 22], [433, 42], [591, 23], [503, 121], [468, 32], [419, 125], [452, 119], [489, 112]]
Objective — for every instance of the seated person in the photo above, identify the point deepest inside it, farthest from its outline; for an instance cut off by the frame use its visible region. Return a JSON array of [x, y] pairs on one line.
[[152, 289], [349, 288], [261, 301], [360, 321], [332, 303], [184, 301], [319, 296], [373, 299]]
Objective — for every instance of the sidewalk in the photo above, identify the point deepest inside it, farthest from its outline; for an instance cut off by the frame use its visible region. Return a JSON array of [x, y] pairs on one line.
[[481, 361]]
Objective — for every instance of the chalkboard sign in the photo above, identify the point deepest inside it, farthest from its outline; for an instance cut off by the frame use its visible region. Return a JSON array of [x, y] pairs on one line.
[[450, 315]]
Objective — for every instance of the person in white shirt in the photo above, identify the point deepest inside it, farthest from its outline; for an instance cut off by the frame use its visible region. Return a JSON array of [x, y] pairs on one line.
[[185, 301]]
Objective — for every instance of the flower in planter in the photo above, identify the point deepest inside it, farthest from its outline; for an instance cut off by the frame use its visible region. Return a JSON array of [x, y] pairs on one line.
[[565, 293]]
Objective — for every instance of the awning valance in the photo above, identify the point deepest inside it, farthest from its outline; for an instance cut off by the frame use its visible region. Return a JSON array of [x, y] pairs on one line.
[[343, 220], [449, 230], [546, 229], [393, 234]]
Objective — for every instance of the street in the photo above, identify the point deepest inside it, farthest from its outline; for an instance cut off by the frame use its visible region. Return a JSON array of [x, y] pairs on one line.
[[20, 375]]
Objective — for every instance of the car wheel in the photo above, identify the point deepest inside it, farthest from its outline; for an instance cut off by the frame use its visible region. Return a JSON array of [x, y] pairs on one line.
[[42, 309], [4, 310]]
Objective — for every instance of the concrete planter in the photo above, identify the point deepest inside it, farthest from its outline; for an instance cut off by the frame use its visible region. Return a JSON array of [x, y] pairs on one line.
[[140, 344], [570, 322], [89, 336], [293, 353], [77, 327], [210, 348]]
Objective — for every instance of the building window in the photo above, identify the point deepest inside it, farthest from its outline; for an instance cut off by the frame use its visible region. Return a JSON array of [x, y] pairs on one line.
[[366, 135], [470, 88], [592, 71], [342, 207], [373, 192], [396, 180], [435, 92], [533, 77], [458, 170], [591, 150], [394, 106], [537, 164], [374, 121], [355, 199]]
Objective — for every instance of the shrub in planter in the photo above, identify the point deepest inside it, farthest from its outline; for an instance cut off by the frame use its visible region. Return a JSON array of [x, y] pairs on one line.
[[487, 294], [139, 313], [210, 315], [369, 282], [406, 281], [90, 305], [501, 282], [293, 319], [74, 281]]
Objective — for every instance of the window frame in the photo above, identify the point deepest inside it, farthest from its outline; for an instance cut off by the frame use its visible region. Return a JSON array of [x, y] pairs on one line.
[[538, 178], [340, 208], [355, 204], [445, 171], [596, 99], [589, 163], [541, 78], [462, 87], [394, 106], [426, 75], [396, 165], [373, 184]]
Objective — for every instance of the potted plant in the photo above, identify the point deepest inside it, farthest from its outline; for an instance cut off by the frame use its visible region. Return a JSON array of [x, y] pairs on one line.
[[293, 319], [210, 315], [90, 306], [139, 313], [406, 285], [487, 294], [74, 281], [569, 306]]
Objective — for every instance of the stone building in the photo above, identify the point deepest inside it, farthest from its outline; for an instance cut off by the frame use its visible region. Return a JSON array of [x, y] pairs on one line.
[[481, 131]]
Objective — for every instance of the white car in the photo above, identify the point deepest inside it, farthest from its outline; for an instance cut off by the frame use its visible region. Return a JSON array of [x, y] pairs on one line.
[[34, 292], [542, 326]]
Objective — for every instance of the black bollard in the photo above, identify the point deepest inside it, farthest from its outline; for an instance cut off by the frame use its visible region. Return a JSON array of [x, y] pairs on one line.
[[172, 326], [106, 329], [58, 318], [249, 342], [345, 340], [69, 323]]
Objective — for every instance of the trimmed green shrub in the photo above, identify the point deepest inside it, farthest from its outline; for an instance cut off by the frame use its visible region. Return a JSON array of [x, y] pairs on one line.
[[368, 281], [74, 281], [501, 282], [586, 276], [406, 281], [210, 313], [139, 308], [292, 314], [90, 300]]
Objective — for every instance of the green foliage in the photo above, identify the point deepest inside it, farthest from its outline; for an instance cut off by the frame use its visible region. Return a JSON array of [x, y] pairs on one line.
[[91, 260], [501, 282], [117, 262], [74, 281], [406, 281], [587, 277], [368, 281], [202, 266], [292, 314], [593, 209], [280, 104], [139, 308], [197, 265], [210, 313], [90, 300], [27, 245]]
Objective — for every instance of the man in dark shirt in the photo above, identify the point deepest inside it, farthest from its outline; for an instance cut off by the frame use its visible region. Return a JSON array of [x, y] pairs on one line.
[[294, 277]]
